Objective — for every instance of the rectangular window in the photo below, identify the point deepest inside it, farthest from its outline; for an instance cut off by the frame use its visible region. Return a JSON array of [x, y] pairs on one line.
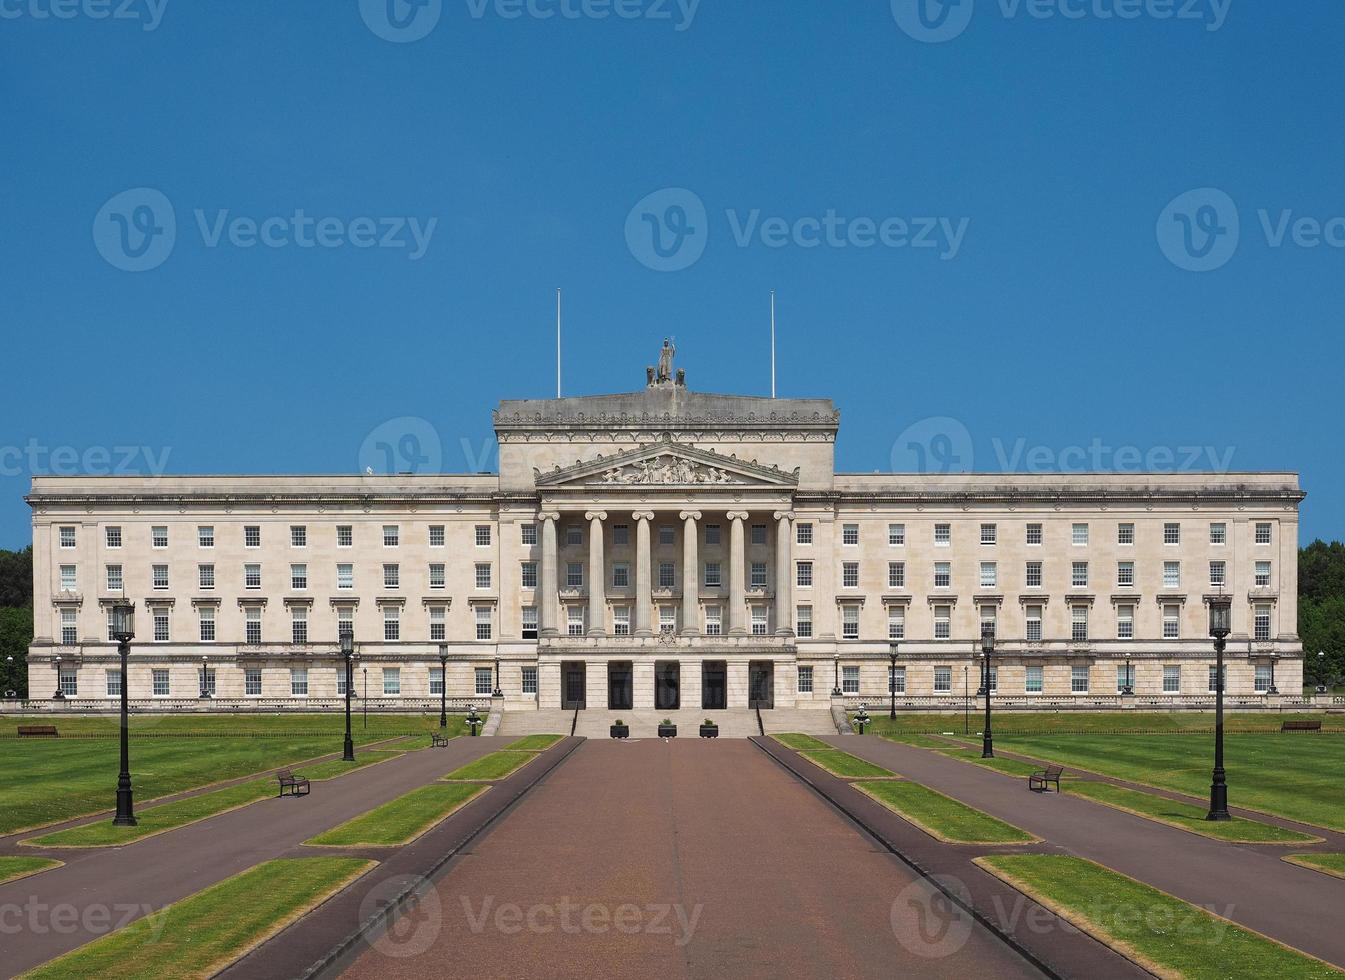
[[1172, 574], [1078, 680], [849, 622], [158, 536], [994, 679], [1033, 616], [896, 622], [1032, 680], [392, 623], [849, 680], [68, 578], [1263, 533], [850, 575], [804, 578], [850, 534], [207, 617], [528, 575], [896, 680], [161, 687], [989, 533], [299, 624], [574, 575], [667, 575], [160, 625], [67, 537], [252, 682], [758, 575], [1125, 574], [943, 574], [1261, 622], [112, 538], [485, 626], [667, 534], [1125, 622], [989, 575], [345, 536], [758, 534], [1125, 534], [528, 680], [436, 535], [621, 575], [1172, 533], [483, 575], [205, 536], [298, 536], [299, 682], [205, 576], [1262, 574], [345, 576], [896, 535], [114, 683], [803, 621], [392, 681], [528, 535], [436, 575], [759, 622], [712, 534], [574, 620], [943, 535], [943, 680], [252, 536], [803, 532], [1123, 678], [298, 577], [714, 622], [483, 680], [1034, 534], [1172, 619], [392, 535], [160, 576], [252, 617], [896, 575], [1172, 679], [69, 627], [943, 622], [1033, 575], [436, 680], [1079, 574], [1219, 534], [1218, 573], [621, 619], [712, 575], [483, 535], [1079, 534], [620, 534], [1262, 678], [345, 620], [667, 619], [438, 629], [1078, 620], [252, 576], [1217, 680], [805, 680]]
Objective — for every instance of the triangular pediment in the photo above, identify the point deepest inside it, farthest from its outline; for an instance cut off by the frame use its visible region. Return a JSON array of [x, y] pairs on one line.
[[668, 464]]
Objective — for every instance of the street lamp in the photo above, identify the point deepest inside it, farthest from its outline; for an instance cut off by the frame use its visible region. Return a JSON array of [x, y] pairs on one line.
[[473, 719], [497, 693], [966, 699], [348, 657], [123, 631], [59, 695], [892, 679], [1129, 687], [1274, 659], [1321, 671], [836, 675], [205, 687], [987, 650], [364, 699], [862, 718], [1221, 608], [443, 685]]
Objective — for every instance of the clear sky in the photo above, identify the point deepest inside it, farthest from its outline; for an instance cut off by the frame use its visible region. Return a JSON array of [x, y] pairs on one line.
[[981, 228]]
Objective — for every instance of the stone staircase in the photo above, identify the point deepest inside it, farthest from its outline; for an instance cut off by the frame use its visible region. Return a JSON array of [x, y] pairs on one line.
[[643, 722]]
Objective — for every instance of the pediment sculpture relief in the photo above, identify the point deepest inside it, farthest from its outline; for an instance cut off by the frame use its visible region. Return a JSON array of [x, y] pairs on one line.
[[667, 470]]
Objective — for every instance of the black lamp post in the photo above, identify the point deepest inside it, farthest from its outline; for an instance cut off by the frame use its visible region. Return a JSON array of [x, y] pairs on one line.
[[1129, 687], [497, 693], [1221, 608], [364, 699], [205, 676], [987, 650], [473, 719], [836, 675], [348, 658], [59, 695], [443, 685], [1274, 657], [892, 679], [123, 631], [1321, 671], [966, 699]]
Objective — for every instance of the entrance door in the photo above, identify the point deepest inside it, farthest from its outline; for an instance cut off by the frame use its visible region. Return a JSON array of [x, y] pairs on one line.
[[572, 686], [667, 685], [761, 684], [620, 686], [714, 685]]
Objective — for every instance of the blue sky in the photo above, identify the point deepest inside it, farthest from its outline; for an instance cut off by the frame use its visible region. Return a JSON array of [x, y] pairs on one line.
[[1058, 233]]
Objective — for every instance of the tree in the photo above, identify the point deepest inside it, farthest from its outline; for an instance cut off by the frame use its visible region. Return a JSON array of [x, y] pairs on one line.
[[16, 632], [1321, 611], [16, 578]]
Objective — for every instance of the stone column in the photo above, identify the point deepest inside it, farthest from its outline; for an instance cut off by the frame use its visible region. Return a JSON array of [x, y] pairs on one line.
[[597, 599], [547, 586], [690, 573], [737, 581], [644, 603], [784, 573]]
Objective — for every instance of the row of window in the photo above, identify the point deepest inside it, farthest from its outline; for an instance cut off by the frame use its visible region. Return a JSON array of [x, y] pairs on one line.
[[1033, 574], [161, 682], [1033, 534], [1080, 679], [298, 534], [298, 579]]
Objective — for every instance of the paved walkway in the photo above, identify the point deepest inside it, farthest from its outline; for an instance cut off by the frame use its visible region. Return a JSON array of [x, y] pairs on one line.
[[1247, 883], [120, 884], [688, 858]]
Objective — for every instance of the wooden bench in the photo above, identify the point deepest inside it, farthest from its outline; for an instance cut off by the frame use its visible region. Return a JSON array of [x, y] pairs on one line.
[[296, 784], [1296, 725], [1038, 781], [37, 731], [437, 741]]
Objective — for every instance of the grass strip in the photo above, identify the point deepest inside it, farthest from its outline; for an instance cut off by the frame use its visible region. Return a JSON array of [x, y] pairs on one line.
[[402, 820], [14, 868], [201, 934], [1186, 816], [171, 816], [1010, 767], [1013, 723], [534, 743], [844, 764], [497, 765], [1330, 864], [918, 741], [1162, 933], [795, 740], [942, 817]]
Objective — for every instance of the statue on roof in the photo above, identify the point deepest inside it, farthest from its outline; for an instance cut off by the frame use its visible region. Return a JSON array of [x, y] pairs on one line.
[[664, 374]]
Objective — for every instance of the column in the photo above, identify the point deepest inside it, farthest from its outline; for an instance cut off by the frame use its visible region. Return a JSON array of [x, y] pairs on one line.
[[737, 567], [784, 573], [691, 616], [546, 593], [597, 599], [644, 602]]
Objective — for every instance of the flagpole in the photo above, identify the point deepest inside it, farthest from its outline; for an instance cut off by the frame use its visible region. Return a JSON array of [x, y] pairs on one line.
[[772, 343], [557, 341]]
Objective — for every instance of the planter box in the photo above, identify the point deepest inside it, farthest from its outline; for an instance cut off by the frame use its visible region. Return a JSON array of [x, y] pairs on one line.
[[667, 731], [709, 731], [619, 731]]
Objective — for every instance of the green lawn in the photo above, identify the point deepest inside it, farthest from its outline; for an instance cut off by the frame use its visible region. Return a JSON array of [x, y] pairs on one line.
[[1098, 722], [1010, 767], [13, 868], [1187, 816], [203, 933], [840, 763], [402, 820], [918, 741], [534, 743], [52, 780], [1301, 777], [794, 740], [497, 765], [943, 817], [170, 816], [1332, 864], [1168, 936]]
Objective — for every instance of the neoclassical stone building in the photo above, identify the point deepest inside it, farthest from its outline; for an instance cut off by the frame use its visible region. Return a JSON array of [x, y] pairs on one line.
[[660, 549]]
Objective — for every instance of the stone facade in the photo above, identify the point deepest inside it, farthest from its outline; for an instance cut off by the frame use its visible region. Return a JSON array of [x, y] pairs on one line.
[[666, 548]]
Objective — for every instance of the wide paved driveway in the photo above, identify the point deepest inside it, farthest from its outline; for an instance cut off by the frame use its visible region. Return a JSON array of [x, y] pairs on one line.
[[681, 859]]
